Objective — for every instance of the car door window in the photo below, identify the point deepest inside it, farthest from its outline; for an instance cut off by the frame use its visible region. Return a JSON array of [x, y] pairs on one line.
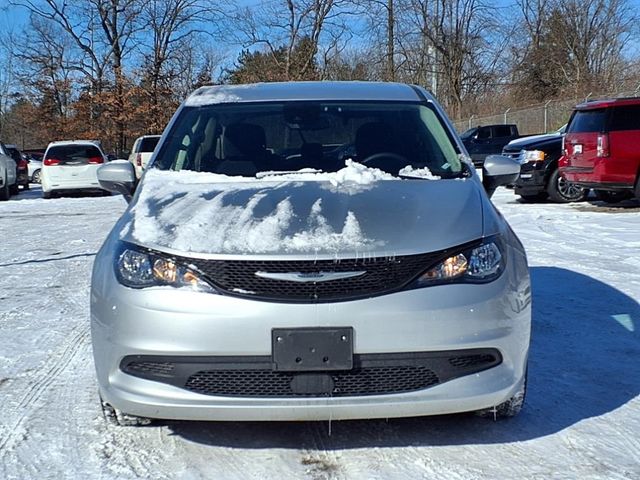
[[502, 131], [484, 133], [625, 118]]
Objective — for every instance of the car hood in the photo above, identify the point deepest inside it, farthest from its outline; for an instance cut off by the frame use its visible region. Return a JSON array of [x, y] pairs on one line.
[[531, 141], [207, 214]]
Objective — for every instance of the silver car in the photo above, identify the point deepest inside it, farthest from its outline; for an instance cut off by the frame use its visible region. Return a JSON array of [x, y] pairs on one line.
[[310, 251]]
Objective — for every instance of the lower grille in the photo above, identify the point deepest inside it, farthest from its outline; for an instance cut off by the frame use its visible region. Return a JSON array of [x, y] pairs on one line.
[[261, 383], [373, 374]]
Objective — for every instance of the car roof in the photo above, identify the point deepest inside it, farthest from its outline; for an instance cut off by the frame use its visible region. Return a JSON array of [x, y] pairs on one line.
[[62, 143], [303, 91], [148, 136], [610, 102], [74, 142]]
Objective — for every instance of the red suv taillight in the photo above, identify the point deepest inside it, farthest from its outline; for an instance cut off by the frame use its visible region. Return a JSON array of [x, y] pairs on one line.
[[51, 161], [96, 160], [22, 164], [139, 160], [602, 148]]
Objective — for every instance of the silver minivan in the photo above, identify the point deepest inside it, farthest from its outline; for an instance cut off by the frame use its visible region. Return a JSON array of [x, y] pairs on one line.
[[310, 251]]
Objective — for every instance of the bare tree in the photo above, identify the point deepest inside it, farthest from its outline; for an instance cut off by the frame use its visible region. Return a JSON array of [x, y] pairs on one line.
[[594, 33], [455, 36], [102, 31], [282, 25], [171, 25], [572, 46]]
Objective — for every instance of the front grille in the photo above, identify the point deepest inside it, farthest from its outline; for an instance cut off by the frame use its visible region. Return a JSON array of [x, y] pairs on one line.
[[516, 155], [152, 368], [383, 275], [365, 381], [373, 374]]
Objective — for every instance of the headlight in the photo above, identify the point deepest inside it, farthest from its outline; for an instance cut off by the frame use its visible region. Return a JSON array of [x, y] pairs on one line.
[[137, 268], [479, 264], [532, 156]]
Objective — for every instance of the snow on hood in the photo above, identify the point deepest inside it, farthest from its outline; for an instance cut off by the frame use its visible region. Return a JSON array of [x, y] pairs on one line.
[[307, 213]]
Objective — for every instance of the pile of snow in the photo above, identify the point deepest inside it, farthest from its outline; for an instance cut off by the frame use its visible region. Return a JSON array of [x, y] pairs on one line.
[[352, 173], [422, 173], [192, 211]]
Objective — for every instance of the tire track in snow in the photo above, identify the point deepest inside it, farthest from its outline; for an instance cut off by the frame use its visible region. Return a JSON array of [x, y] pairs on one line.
[[13, 431]]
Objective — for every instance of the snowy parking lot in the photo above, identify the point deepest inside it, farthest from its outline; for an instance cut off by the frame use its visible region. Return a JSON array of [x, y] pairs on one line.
[[581, 418]]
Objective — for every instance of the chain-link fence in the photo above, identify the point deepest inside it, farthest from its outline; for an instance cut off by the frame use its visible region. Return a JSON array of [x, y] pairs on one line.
[[544, 117]]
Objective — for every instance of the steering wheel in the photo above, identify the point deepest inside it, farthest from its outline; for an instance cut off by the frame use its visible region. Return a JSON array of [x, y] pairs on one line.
[[389, 162]]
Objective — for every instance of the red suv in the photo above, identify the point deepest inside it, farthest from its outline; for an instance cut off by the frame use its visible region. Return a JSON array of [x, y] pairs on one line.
[[602, 148]]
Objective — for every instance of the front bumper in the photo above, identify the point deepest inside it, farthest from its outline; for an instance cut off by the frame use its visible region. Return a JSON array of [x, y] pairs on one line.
[[23, 178], [172, 323], [532, 179], [602, 174]]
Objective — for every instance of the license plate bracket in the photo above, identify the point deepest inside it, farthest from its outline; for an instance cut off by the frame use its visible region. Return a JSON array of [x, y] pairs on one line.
[[312, 349]]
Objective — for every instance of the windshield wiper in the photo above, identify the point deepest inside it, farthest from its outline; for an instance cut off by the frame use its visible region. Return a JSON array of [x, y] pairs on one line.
[[277, 173]]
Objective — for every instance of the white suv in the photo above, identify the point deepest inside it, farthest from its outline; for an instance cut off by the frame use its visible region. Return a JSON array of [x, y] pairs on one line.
[[71, 165], [141, 152]]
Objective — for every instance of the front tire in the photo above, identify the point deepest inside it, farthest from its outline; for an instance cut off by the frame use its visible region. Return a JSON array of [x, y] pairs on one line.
[[561, 191], [4, 190], [36, 176], [509, 408], [118, 418], [538, 197]]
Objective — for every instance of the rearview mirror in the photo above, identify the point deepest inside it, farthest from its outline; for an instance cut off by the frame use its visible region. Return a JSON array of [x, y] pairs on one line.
[[118, 176], [497, 171]]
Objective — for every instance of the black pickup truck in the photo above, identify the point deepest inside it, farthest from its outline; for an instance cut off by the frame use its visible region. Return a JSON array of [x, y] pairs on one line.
[[488, 140], [539, 178]]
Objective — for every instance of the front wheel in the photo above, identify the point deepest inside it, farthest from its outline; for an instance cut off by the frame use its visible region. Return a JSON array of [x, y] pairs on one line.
[[509, 408], [561, 191], [4, 190], [118, 418], [538, 197], [36, 176]]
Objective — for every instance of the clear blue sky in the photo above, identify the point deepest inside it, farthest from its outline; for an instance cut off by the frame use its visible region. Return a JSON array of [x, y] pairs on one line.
[[14, 19]]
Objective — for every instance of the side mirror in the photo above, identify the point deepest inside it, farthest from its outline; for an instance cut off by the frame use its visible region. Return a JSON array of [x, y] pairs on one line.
[[118, 176], [498, 171]]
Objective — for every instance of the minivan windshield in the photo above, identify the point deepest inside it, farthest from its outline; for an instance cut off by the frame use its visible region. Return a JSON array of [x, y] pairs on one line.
[[246, 139]]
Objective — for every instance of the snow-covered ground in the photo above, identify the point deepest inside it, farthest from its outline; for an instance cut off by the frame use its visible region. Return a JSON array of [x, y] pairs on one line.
[[581, 420]]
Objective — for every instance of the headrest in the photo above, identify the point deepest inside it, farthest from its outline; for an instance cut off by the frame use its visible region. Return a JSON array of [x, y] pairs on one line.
[[244, 140]]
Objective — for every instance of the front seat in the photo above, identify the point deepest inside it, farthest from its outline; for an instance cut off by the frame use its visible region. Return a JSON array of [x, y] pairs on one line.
[[244, 150]]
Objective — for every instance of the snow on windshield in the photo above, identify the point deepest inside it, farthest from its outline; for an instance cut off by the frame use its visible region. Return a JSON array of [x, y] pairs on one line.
[[212, 213]]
